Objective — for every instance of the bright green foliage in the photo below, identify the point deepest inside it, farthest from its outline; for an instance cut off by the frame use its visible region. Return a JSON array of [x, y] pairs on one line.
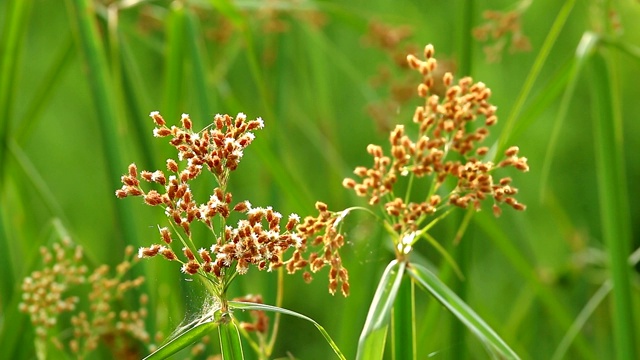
[[78, 78]]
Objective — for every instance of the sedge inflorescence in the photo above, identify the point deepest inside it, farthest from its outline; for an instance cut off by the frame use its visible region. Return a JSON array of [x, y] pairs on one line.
[[76, 308], [260, 238], [445, 147]]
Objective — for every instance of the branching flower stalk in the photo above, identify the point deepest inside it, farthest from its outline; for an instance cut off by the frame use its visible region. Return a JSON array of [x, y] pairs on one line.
[[440, 162], [257, 239]]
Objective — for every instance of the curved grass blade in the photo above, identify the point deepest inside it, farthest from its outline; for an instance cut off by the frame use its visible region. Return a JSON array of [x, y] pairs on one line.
[[374, 332], [461, 310], [585, 47], [534, 73], [183, 340], [240, 305]]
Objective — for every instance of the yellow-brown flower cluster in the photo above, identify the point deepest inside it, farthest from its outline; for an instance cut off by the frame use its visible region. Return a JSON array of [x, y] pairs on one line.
[[445, 147], [258, 238], [500, 28], [47, 297]]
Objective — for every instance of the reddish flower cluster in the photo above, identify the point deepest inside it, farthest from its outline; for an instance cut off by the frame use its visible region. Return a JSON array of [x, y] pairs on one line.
[[444, 148], [257, 239]]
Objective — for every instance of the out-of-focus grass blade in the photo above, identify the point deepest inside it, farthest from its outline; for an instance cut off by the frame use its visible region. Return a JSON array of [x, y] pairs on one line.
[[253, 306], [43, 94], [174, 66], [540, 60], [197, 52], [613, 195], [374, 332], [581, 319], [10, 44], [230, 11], [461, 310], [15, 21], [183, 340], [559, 313], [585, 47], [230, 343]]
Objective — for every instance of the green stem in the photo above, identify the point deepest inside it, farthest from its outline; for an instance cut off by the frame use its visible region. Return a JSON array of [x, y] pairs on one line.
[[612, 190], [230, 343], [403, 322]]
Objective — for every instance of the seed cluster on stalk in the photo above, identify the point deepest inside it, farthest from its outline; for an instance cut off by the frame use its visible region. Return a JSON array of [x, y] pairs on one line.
[[260, 237], [444, 146]]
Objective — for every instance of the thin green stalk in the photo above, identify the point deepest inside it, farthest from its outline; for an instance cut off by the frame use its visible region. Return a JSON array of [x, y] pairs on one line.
[[585, 47], [197, 53], [613, 195], [174, 66], [534, 73], [403, 322], [90, 43], [230, 343], [522, 266], [10, 46], [61, 63]]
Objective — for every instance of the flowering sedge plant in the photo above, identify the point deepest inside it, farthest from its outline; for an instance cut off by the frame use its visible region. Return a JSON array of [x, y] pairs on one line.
[[260, 238], [440, 164]]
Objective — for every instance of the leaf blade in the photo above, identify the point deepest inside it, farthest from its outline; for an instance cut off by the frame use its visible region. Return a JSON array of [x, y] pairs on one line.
[[374, 332], [460, 309]]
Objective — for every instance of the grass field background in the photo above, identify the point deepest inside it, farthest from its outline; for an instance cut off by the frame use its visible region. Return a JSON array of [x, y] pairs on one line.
[[73, 115]]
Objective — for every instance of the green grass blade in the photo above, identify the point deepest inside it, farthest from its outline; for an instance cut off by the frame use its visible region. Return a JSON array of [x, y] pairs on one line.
[[461, 310], [43, 95], [540, 60], [584, 48], [612, 190], [183, 340], [403, 322], [10, 44], [374, 332], [581, 319], [230, 343], [174, 67], [197, 52], [559, 313], [264, 307]]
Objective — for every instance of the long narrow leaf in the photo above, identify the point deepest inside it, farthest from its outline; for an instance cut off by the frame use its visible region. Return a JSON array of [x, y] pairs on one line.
[[460, 309], [183, 340], [613, 195], [374, 332], [230, 343], [253, 306]]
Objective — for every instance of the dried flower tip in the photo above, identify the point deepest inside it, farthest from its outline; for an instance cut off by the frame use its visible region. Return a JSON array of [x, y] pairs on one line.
[[428, 51], [165, 234], [423, 90], [496, 210], [348, 183], [483, 150], [186, 122], [512, 151], [153, 198], [413, 61], [121, 194], [491, 120], [521, 164], [157, 118], [294, 219], [133, 170], [242, 207], [168, 253], [322, 207], [188, 253]]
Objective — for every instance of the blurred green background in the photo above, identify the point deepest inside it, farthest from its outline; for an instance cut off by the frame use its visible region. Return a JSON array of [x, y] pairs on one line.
[[325, 78]]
